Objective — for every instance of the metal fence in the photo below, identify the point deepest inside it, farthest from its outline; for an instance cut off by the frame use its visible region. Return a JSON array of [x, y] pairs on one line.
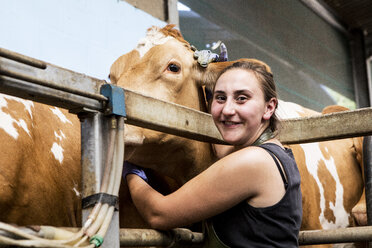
[[39, 81]]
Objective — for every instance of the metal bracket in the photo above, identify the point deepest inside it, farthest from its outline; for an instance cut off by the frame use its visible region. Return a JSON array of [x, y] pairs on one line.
[[116, 100]]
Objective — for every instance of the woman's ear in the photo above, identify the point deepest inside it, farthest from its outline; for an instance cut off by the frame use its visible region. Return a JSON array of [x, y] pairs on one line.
[[270, 108]]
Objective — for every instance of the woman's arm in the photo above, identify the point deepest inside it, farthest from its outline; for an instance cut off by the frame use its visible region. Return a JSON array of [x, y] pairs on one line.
[[227, 182]]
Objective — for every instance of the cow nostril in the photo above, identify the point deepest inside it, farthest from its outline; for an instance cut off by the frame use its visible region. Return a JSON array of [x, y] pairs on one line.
[[187, 122]]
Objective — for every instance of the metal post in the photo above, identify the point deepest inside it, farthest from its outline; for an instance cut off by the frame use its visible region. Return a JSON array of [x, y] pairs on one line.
[[358, 62], [94, 130], [367, 163]]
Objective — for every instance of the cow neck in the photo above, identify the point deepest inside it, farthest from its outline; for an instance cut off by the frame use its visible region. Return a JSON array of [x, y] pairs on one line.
[[265, 136]]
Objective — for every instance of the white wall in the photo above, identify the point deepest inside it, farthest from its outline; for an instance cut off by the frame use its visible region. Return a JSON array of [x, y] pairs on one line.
[[82, 35]]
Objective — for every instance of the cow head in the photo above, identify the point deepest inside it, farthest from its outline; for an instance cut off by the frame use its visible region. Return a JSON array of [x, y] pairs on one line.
[[162, 66]]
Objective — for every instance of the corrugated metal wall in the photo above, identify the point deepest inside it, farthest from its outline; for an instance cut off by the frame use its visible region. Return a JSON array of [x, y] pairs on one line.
[[309, 58]]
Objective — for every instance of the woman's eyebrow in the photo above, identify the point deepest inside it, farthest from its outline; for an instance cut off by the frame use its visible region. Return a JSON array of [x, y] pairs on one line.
[[243, 91], [219, 91]]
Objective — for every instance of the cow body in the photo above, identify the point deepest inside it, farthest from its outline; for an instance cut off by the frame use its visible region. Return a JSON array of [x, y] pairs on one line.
[[40, 164], [331, 174], [33, 175]]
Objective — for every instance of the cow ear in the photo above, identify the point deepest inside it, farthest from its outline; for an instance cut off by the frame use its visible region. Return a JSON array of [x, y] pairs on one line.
[[213, 71], [120, 65]]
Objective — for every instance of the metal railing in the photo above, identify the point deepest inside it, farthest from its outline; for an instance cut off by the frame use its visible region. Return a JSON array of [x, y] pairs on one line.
[[36, 80]]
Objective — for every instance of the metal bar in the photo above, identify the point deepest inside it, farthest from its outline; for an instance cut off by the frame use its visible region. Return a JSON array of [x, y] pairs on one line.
[[358, 63], [148, 112], [367, 164], [53, 77], [22, 58], [34, 92], [150, 237], [20, 76], [339, 125], [179, 236], [340, 235]]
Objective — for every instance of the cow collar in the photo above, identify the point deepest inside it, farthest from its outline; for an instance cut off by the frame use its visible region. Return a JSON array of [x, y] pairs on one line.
[[265, 136]]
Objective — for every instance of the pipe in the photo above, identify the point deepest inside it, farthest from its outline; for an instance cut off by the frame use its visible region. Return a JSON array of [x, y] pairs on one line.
[[110, 153], [119, 161]]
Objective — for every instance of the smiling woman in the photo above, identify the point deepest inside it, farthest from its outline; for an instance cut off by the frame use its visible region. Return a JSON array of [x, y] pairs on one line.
[[262, 205], [240, 106]]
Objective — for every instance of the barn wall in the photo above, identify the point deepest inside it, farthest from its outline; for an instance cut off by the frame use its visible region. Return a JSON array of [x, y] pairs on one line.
[[82, 35], [310, 59]]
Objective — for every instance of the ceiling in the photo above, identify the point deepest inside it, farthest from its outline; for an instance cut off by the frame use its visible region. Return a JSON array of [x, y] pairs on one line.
[[354, 14]]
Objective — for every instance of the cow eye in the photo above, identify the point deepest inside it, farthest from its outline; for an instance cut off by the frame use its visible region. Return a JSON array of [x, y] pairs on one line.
[[173, 68]]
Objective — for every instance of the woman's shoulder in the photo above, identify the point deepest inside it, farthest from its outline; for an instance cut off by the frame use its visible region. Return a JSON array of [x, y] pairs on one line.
[[251, 157]]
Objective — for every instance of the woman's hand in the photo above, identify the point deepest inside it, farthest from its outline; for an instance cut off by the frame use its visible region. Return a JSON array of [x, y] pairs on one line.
[[130, 168]]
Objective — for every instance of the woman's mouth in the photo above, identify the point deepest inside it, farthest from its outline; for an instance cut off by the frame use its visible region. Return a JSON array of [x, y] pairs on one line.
[[230, 123]]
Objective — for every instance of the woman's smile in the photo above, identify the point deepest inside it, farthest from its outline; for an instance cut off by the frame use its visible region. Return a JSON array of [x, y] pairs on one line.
[[231, 124], [238, 107]]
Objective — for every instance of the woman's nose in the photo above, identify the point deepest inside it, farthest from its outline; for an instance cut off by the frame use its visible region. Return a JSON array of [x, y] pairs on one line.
[[228, 108]]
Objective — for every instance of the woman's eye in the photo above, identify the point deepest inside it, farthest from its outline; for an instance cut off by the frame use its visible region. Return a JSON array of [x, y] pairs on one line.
[[173, 68], [220, 98], [241, 99]]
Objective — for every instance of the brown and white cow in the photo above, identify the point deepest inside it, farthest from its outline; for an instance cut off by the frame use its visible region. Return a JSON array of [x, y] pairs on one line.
[[39, 164], [162, 66], [40, 147]]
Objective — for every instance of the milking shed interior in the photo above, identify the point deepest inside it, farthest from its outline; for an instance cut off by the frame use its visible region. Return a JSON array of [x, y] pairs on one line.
[[319, 50], [346, 62]]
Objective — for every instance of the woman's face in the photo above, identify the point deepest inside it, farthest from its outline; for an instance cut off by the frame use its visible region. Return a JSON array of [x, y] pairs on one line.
[[238, 107]]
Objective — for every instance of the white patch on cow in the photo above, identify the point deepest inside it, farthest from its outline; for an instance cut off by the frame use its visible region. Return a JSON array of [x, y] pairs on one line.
[[76, 192], [7, 122], [23, 125], [27, 103], [59, 136], [60, 115], [287, 110], [57, 151], [313, 155], [153, 38]]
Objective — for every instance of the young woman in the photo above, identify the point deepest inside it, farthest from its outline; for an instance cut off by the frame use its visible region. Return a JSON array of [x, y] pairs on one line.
[[251, 197]]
